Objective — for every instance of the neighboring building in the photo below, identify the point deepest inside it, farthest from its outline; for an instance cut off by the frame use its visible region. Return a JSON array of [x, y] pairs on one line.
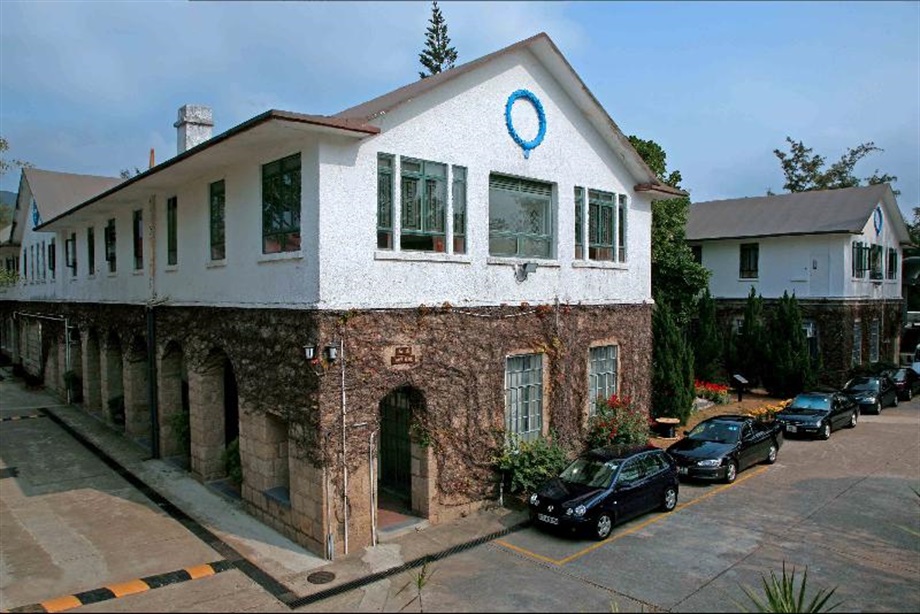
[[837, 251], [32, 255], [370, 302]]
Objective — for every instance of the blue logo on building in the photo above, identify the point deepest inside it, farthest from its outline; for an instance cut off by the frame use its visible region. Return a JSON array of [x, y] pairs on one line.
[[527, 146]]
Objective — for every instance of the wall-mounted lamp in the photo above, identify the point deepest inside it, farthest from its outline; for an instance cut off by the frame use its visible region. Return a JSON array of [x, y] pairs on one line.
[[332, 353], [522, 270], [309, 351]]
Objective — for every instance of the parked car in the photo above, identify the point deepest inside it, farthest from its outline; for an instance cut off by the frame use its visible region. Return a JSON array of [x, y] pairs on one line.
[[818, 413], [720, 447], [606, 486], [907, 382], [872, 393]]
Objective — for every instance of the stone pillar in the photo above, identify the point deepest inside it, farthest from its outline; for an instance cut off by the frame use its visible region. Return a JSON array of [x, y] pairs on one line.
[[137, 410], [76, 365], [308, 504], [169, 401], [92, 383], [423, 478], [52, 371], [206, 421]]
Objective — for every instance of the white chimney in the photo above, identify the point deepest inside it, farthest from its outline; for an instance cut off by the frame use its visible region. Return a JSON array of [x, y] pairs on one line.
[[193, 127]]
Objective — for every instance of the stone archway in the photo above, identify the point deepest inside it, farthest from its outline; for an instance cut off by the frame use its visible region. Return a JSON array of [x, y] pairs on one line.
[[92, 383], [403, 462], [214, 414], [113, 395], [136, 378]]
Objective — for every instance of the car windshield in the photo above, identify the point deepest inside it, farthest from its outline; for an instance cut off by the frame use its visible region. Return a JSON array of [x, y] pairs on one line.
[[716, 430], [863, 383], [591, 472], [810, 402], [900, 375]]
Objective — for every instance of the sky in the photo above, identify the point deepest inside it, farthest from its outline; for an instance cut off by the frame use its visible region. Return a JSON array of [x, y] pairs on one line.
[[90, 87]]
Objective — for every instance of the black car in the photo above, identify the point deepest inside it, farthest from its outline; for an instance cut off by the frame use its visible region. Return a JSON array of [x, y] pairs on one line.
[[872, 393], [606, 486], [720, 447], [907, 382], [818, 413]]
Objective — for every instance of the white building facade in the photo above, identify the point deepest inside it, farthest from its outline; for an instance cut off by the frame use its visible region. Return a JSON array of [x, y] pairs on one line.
[[367, 305]]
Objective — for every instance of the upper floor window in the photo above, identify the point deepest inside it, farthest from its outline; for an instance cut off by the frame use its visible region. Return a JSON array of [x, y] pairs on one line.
[[52, 258], [524, 396], [110, 256], [424, 203], [602, 375], [281, 205], [892, 268], [860, 259], [138, 226], [749, 261], [579, 221], [384, 201], [602, 221], [70, 253], [42, 260], [876, 262], [172, 230], [90, 251], [621, 227], [216, 215], [696, 251], [459, 205], [520, 217]]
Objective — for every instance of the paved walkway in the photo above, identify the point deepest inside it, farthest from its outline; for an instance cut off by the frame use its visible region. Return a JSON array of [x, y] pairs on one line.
[[284, 570]]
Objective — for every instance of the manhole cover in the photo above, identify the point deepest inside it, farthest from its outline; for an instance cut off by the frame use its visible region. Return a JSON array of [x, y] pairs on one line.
[[321, 577]]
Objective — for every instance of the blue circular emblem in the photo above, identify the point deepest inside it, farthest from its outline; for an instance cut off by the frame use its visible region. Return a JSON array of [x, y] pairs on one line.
[[527, 146], [877, 219]]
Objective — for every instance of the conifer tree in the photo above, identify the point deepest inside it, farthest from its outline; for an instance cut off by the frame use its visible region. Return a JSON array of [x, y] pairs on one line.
[[707, 341], [672, 368], [438, 55], [788, 367], [750, 345]]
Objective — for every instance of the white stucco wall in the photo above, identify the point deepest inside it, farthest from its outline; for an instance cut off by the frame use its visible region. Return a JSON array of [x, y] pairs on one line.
[[817, 266], [339, 266]]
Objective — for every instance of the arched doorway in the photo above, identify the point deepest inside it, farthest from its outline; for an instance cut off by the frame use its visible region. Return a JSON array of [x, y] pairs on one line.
[[214, 417], [173, 399], [395, 451]]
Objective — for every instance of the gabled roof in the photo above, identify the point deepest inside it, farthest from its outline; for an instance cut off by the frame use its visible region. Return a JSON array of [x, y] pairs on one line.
[[542, 46], [6, 233], [845, 210], [55, 193]]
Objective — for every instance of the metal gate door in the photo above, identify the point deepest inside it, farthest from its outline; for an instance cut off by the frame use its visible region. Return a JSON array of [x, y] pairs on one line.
[[395, 459]]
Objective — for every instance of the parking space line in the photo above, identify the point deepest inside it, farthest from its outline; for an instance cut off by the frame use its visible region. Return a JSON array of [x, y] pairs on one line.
[[123, 589], [564, 561]]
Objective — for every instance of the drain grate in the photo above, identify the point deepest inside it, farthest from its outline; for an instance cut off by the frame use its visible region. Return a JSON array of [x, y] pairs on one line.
[[321, 577]]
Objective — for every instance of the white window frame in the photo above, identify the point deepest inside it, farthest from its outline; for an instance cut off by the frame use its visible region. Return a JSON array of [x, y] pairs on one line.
[[524, 396], [602, 383]]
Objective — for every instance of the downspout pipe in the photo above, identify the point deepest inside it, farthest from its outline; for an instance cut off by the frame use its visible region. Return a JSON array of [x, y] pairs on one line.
[[152, 399]]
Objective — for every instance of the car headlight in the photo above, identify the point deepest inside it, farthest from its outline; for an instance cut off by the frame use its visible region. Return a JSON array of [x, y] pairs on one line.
[[871, 399], [580, 510], [534, 499], [709, 462]]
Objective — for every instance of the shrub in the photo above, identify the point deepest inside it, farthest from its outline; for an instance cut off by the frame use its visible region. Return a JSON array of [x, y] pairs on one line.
[[181, 429], [781, 595], [672, 368], [768, 412], [717, 393], [527, 464], [617, 420], [232, 463]]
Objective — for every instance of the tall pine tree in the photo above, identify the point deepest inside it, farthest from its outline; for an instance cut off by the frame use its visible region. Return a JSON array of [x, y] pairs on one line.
[[707, 341], [438, 55], [788, 367], [672, 368], [750, 346]]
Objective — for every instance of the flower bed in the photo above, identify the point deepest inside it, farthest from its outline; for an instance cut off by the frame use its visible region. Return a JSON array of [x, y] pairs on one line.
[[766, 413], [717, 393]]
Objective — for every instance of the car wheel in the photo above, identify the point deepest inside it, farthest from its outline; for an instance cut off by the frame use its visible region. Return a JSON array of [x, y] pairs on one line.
[[603, 526], [731, 472], [910, 394], [854, 418], [878, 408], [771, 455], [670, 499], [894, 403], [826, 432]]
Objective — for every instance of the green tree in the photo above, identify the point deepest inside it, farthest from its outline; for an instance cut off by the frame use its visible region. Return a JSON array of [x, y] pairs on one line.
[[672, 368], [787, 369], [677, 279], [806, 171], [438, 55], [750, 350], [6, 209], [707, 341]]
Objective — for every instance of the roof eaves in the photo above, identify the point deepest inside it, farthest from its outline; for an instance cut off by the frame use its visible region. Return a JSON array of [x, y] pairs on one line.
[[350, 125], [660, 188]]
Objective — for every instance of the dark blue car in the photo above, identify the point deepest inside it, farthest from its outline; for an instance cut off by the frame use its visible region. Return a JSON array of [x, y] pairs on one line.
[[604, 487]]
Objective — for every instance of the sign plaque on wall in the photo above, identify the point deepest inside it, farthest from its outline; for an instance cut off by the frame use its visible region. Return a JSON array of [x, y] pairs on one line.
[[402, 356]]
